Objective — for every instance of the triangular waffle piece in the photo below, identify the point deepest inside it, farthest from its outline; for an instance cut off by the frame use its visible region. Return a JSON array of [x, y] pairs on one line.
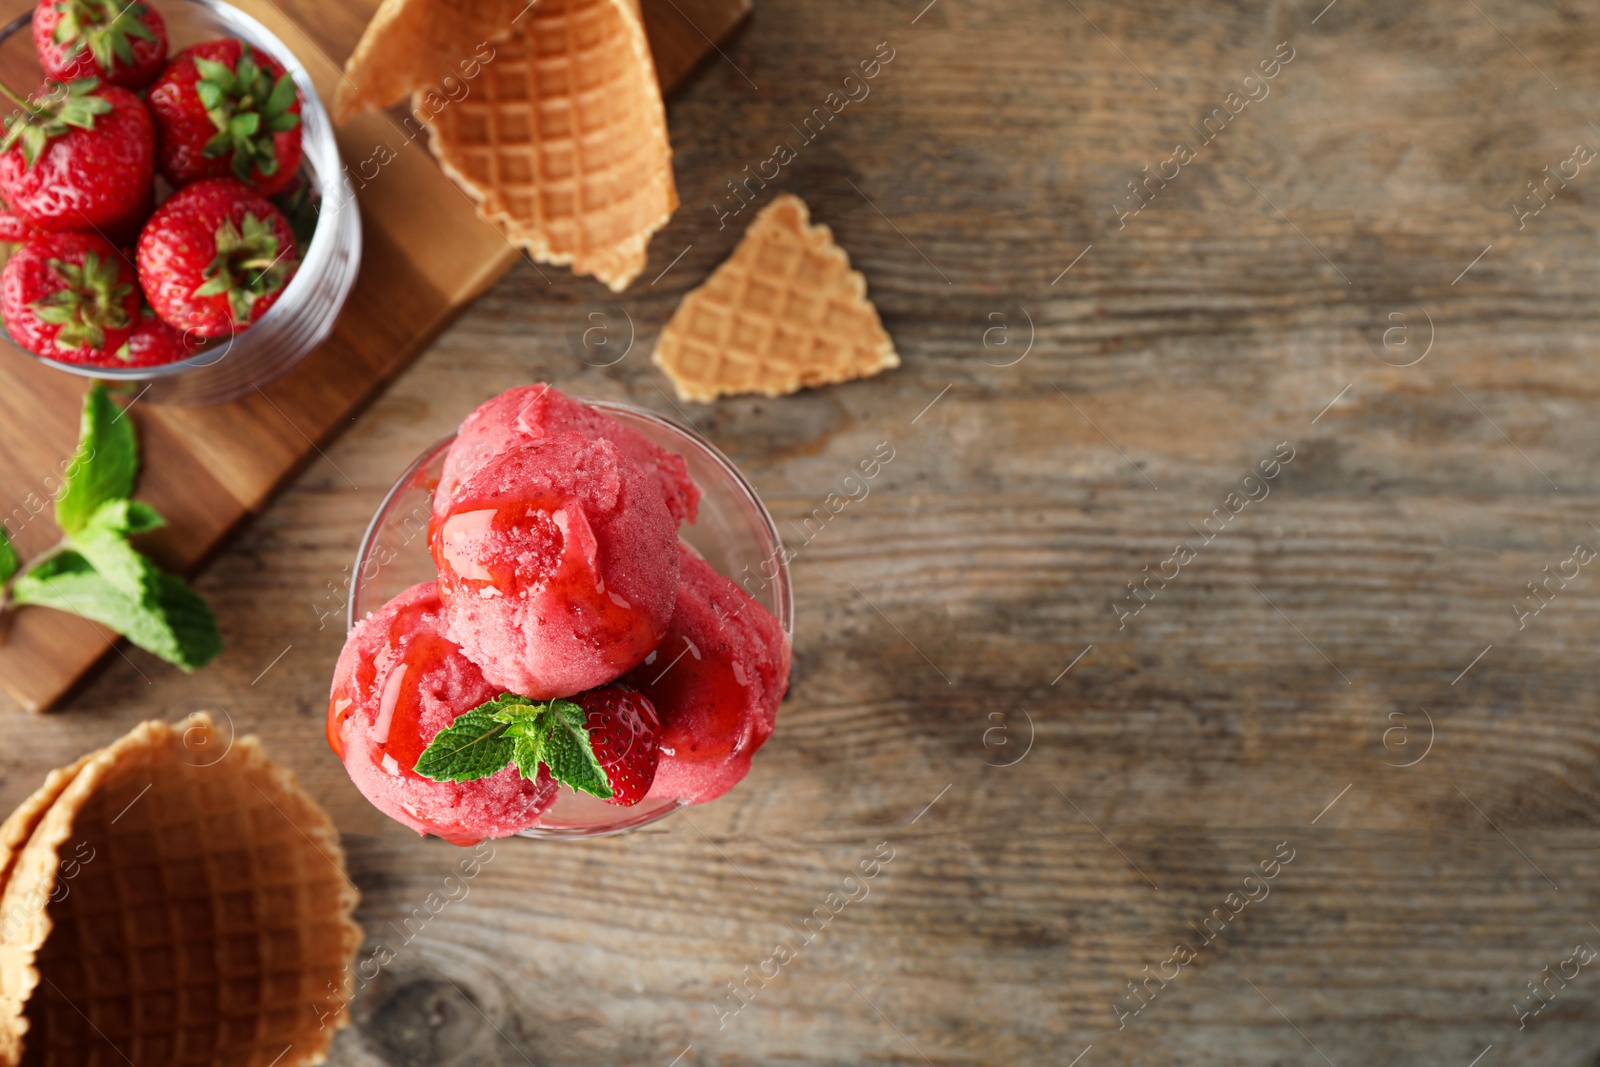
[[413, 44], [783, 313], [562, 139], [172, 905]]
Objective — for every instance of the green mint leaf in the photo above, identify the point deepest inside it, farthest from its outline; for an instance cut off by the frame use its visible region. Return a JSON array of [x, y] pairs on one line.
[[185, 614], [520, 713], [472, 747], [171, 621], [527, 753], [569, 754], [109, 553], [126, 517], [8, 557], [104, 465]]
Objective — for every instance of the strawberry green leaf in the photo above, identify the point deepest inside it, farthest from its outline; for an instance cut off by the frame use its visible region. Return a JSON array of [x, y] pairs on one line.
[[472, 747], [92, 298], [172, 622], [216, 76], [248, 265], [247, 106], [104, 465], [104, 27], [8, 557], [569, 754], [282, 98], [51, 113]]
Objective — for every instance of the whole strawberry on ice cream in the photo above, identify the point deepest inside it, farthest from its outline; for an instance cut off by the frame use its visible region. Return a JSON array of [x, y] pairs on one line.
[[215, 257], [625, 733], [79, 155], [70, 297], [400, 684], [122, 41], [222, 107]]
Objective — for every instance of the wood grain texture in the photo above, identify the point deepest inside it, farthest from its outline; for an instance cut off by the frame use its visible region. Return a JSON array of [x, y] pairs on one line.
[[428, 253], [1252, 702]]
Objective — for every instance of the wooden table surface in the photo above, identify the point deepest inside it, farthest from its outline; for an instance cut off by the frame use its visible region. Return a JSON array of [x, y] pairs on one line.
[[1340, 678]]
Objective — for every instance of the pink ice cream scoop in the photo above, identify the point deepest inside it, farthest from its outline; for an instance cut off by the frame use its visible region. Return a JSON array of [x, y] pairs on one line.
[[558, 564], [528, 413], [715, 681], [400, 681]]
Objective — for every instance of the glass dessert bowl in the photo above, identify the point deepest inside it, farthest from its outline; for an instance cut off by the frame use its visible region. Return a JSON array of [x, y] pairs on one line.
[[304, 314], [733, 533]]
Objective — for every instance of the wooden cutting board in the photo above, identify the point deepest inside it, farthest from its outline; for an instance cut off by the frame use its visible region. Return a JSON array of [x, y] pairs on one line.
[[427, 255]]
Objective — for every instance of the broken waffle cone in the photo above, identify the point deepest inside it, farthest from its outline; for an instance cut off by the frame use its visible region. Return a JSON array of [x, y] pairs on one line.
[[172, 904], [412, 44], [563, 139], [783, 313]]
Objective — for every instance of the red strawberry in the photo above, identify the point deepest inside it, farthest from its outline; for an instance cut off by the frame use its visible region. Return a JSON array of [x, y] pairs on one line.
[[215, 257], [222, 107], [69, 296], [79, 155], [14, 227], [121, 41], [153, 343], [625, 733]]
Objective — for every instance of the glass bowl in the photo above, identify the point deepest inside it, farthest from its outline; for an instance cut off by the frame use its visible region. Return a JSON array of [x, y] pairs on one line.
[[734, 533], [303, 316]]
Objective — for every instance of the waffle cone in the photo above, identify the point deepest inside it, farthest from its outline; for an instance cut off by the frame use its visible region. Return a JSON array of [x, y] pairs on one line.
[[563, 139], [784, 312], [20, 824], [412, 44], [174, 906]]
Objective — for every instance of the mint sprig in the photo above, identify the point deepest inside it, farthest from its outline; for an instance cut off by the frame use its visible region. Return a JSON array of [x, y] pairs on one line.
[[94, 572], [515, 730]]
